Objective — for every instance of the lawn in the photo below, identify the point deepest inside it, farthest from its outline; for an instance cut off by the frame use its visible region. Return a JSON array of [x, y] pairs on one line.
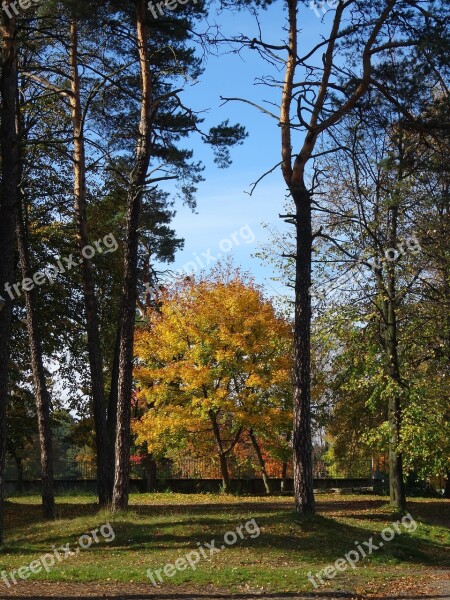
[[161, 528]]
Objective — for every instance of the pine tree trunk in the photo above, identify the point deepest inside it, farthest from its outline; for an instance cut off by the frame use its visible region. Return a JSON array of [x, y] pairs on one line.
[[294, 177], [396, 483], [261, 462], [129, 294], [39, 380], [111, 423], [303, 467], [9, 148], [104, 473]]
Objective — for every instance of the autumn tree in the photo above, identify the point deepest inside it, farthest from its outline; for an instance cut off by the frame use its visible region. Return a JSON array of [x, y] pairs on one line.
[[213, 360]]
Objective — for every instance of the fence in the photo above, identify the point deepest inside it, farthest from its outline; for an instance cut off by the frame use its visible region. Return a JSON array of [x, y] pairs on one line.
[[190, 468]]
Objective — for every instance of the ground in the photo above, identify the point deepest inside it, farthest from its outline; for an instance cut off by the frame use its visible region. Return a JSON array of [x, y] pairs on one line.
[[270, 556]]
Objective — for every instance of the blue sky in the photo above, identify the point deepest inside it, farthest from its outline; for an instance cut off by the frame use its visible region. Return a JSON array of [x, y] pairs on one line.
[[224, 205]]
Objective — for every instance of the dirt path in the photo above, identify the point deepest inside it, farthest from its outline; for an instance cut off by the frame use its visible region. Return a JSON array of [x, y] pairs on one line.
[[442, 587], [435, 586]]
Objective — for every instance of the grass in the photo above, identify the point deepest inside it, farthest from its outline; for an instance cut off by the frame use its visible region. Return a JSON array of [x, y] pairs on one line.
[[159, 528]]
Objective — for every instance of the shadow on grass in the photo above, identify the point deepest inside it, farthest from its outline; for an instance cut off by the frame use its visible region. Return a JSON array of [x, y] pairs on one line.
[[320, 539], [153, 529], [350, 505], [432, 512]]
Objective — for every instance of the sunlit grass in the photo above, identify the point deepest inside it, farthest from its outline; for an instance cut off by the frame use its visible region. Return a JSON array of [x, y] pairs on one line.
[[159, 528]]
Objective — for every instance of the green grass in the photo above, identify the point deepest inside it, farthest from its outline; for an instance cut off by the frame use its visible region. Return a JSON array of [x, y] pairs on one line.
[[159, 528]]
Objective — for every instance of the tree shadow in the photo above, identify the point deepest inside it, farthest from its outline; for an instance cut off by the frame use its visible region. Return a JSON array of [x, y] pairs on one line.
[[323, 539]]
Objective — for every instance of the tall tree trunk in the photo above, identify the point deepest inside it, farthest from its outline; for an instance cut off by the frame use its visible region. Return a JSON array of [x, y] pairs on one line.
[[294, 177], [111, 423], [261, 461], [39, 380], [293, 168], [303, 467], [9, 147], [104, 468], [396, 483], [129, 294]]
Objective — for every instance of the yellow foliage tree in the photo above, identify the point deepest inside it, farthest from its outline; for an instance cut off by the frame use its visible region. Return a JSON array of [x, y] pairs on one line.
[[214, 361]]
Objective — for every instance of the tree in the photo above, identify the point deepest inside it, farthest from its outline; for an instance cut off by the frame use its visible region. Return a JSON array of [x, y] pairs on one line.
[[374, 276], [77, 68], [378, 171], [129, 294], [154, 98], [39, 375], [333, 76], [8, 213], [431, 144], [79, 114], [213, 359]]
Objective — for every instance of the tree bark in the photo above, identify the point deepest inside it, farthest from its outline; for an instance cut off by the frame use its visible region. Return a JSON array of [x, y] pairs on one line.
[[294, 178], [302, 442], [9, 147], [129, 294], [396, 483], [223, 460], [111, 422], [42, 394], [104, 463], [261, 461]]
